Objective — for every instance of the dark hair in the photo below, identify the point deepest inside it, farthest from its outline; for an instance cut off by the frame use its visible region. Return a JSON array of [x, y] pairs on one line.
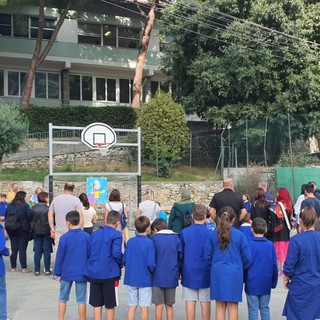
[[73, 217], [19, 198], [69, 186], [113, 217], [226, 217], [303, 188], [42, 196], [159, 224], [259, 225], [199, 212], [85, 201], [260, 197], [3, 195], [114, 195], [309, 187], [141, 223], [308, 217]]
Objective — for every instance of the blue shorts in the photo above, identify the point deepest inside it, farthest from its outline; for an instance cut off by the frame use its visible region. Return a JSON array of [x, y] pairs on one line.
[[81, 291], [139, 296]]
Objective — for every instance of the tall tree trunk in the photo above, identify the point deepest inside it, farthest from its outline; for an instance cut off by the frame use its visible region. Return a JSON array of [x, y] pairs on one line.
[[38, 57], [143, 50], [25, 98]]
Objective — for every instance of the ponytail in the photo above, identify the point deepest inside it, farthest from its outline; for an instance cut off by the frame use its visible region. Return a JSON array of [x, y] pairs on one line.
[[226, 217]]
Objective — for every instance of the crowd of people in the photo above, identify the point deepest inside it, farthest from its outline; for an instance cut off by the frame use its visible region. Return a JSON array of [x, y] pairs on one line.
[[215, 250]]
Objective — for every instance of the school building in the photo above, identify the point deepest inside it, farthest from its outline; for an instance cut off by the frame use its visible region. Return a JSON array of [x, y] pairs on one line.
[[92, 61]]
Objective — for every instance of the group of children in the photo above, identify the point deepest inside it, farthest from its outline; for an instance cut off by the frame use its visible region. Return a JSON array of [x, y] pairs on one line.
[[211, 264]]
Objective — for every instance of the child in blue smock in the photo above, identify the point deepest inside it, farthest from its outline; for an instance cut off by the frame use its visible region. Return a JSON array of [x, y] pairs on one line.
[[195, 270], [166, 274], [4, 251], [246, 227], [262, 275], [72, 257], [228, 253], [140, 262]]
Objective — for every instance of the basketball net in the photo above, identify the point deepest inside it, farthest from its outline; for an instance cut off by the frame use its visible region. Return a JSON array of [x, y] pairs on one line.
[[103, 148]]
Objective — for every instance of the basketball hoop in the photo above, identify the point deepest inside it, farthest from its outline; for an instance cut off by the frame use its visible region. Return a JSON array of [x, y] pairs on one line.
[[103, 148]]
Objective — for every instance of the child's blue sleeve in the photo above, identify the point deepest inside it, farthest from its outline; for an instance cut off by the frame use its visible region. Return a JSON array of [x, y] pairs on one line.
[[208, 250], [116, 249], [245, 252], [275, 269], [59, 258], [151, 258], [292, 259]]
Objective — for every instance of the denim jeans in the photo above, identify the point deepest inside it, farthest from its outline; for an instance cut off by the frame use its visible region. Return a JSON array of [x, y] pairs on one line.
[[3, 298], [42, 245], [256, 303]]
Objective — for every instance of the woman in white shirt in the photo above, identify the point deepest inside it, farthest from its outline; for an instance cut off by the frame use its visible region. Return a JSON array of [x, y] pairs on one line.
[[148, 207], [89, 214], [116, 204]]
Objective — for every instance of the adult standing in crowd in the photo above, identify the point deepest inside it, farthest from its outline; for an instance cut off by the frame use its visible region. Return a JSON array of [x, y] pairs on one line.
[[148, 207], [264, 186], [17, 224], [228, 198], [12, 193], [282, 237], [181, 212], [60, 206], [311, 201], [41, 234], [301, 270], [260, 206], [116, 204], [89, 214], [297, 205]]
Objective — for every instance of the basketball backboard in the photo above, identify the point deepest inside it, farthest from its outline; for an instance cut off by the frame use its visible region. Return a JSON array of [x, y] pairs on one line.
[[98, 134]]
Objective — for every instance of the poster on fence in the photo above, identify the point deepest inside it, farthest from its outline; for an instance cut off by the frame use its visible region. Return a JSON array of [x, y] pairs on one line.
[[97, 191]]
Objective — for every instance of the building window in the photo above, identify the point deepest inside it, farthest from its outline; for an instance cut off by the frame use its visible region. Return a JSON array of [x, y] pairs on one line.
[[1, 83], [154, 88], [40, 85], [110, 35], [16, 82], [49, 25], [89, 33], [124, 91], [53, 86], [128, 38], [80, 88], [5, 24], [20, 25], [105, 88], [47, 85]]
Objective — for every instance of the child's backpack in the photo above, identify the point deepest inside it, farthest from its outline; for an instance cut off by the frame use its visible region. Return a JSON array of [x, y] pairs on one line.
[[277, 218], [11, 221]]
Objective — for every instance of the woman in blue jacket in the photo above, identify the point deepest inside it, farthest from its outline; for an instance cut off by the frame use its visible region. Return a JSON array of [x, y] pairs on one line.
[[19, 237]]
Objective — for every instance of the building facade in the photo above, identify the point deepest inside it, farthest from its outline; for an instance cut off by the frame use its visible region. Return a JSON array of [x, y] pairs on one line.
[[92, 61]]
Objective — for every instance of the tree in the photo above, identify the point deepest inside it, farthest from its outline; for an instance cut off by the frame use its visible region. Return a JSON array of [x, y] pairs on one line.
[[39, 55], [226, 69], [164, 132], [13, 130]]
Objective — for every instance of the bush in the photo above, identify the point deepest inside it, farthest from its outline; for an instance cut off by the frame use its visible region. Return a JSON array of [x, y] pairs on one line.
[[164, 133], [40, 117], [298, 160]]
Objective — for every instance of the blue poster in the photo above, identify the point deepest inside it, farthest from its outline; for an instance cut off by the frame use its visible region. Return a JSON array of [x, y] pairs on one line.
[[97, 191]]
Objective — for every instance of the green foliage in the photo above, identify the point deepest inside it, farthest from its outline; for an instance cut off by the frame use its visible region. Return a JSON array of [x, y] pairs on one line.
[[40, 117], [164, 133], [226, 70], [13, 129], [298, 160]]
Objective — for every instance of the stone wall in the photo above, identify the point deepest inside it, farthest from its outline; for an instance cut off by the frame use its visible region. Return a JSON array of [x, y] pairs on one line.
[[165, 193]]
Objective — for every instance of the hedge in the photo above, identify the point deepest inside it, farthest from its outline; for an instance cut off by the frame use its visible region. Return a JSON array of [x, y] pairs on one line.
[[40, 117]]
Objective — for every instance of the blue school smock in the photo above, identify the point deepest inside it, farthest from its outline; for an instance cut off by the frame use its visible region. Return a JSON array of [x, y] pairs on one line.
[[72, 255], [168, 257], [246, 229], [4, 251], [262, 274], [105, 254], [227, 266], [195, 269], [302, 266], [140, 261]]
